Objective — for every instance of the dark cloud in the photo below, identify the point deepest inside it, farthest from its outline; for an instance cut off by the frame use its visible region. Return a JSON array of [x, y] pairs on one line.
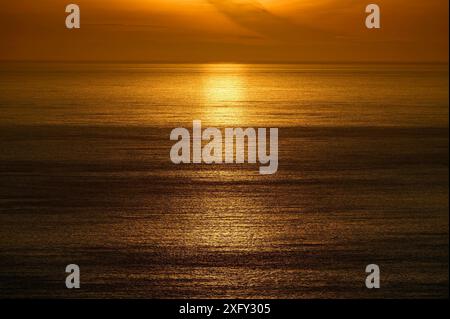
[[253, 16]]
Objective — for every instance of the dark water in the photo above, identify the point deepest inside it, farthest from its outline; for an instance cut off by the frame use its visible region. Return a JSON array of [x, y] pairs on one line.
[[86, 178]]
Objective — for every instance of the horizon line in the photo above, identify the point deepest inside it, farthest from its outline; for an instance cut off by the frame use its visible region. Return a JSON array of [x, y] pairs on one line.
[[217, 62]]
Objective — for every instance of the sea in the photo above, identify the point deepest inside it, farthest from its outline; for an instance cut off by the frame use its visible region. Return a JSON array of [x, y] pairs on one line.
[[86, 179]]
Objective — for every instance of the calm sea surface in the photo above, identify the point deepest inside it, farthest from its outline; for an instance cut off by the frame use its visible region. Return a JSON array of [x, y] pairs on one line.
[[86, 178]]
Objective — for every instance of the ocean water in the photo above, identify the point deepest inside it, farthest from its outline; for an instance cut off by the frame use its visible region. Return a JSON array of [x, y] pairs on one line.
[[86, 178]]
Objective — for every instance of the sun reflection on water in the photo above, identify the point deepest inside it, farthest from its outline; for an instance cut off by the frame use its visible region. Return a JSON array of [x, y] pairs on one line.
[[224, 94]]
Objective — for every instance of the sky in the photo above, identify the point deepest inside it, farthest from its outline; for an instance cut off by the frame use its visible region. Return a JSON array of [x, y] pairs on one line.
[[232, 31]]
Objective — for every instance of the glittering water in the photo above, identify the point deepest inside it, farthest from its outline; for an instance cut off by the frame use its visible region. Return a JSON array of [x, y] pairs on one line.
[[86, 178]]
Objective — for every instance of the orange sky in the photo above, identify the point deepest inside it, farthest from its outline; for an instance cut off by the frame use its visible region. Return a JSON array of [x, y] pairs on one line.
[[225, 31]]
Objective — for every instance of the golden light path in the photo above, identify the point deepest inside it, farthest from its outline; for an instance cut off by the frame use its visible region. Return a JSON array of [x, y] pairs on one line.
[[224, 94]]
